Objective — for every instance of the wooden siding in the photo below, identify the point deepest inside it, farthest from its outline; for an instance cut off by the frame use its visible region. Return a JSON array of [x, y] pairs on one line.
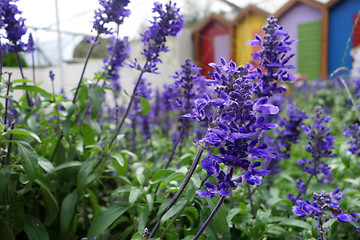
[[309, 49], [207, 45], [203, 36], [341, 17], [244, 32], [356, 35]]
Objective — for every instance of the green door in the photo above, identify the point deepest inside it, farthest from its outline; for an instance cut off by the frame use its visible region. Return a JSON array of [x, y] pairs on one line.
[[309, 49]]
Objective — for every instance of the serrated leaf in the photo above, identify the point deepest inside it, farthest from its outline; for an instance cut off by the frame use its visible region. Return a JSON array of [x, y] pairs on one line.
[[23, 132], [106, 217], [145, 106], [34, 229], [29, 160]]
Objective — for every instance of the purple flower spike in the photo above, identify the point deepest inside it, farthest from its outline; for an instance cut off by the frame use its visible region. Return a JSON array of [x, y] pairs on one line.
[[354, 133], [169, 22], [13, 25], [324, 208], [111, 11], [273, 59], [320, 145], [234, 121]]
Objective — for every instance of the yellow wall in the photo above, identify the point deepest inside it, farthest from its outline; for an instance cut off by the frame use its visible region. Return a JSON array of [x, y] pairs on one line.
[[243, 33]]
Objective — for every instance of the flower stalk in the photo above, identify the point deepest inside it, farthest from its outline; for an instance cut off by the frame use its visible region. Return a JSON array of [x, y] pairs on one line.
[[181, 189]]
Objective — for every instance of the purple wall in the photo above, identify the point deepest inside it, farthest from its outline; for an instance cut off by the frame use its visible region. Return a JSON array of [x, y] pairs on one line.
[[299, 13]]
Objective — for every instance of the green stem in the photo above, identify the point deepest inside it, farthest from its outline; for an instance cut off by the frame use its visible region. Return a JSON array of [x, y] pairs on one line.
[[172, 221], [118, 128], [85, 65], [23, 77], [217, 207], [251, 201], [181, 189], [7, 159], [8, 83]]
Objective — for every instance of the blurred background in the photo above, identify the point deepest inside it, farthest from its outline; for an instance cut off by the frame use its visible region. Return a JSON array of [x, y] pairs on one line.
[[60, 28]]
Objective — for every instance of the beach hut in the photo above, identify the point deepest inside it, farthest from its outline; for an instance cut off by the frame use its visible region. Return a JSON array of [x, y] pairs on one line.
[[342, 16], [307, 21], [211, 41], [247, 23]]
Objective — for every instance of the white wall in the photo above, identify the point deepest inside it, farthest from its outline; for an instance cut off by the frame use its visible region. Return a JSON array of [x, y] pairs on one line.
[[180, 48]]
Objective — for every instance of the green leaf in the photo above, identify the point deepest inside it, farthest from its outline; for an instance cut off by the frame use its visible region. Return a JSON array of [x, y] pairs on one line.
[[23, 132], [150, 200], [232, 213], [173, 210], [45, 164], [295, 223], [51, 205], [22, 81], [137, 236], [66, 127], [5, 173], [162, 173], [345, 155], [33, 89], [96, 99], [131, 154], [73, 164], [275, 201], [67, 212], [106, 217], [173, 176], [5, 231], [134, 194], [29, 160], [140, 176], [34, 229], [84, 172], [70, 108], [119, 158], [93, 201], [143, 218], [218, 227], [145, 106], [88, 134]]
